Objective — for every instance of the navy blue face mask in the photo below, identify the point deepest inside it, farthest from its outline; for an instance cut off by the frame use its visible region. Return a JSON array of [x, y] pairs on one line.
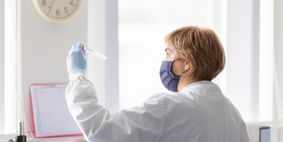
[[169, 80]]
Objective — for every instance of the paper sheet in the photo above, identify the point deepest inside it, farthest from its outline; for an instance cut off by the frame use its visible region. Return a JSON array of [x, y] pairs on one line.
[[51, 114]]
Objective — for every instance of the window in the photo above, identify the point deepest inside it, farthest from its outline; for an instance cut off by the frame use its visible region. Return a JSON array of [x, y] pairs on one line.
[[142, 26], [243, 27], [8, 67], [266, 60]]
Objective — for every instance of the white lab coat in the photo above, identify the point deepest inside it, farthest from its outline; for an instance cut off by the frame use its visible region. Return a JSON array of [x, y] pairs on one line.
[[198, 113]]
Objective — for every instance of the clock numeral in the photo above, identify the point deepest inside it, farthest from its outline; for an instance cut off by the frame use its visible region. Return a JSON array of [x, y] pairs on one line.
[[57, 12], [71, 3], [49, 9], [43, 2], [66, 9]]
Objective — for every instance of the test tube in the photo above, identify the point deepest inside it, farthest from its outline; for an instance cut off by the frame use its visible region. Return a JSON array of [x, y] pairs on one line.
[[95, 53]]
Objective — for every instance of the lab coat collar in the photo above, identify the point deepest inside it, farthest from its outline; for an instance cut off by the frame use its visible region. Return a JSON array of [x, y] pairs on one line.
[[197, 83]]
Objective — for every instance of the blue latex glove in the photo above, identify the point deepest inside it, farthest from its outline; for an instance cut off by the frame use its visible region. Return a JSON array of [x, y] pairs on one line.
[[76, 58]]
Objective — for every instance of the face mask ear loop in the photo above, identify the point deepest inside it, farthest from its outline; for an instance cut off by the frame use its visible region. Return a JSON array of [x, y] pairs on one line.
[[176, 60], [172, 64], [184, 72]]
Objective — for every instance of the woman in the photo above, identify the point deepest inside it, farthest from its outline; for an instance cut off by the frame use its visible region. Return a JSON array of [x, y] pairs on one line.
[[195, 111]]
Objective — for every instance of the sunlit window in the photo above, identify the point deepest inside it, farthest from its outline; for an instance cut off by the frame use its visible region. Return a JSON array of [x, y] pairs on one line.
[[10, 67], [142, 27]]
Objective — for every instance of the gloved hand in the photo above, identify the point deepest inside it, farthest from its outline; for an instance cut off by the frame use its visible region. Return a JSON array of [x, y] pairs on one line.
[[76, 58]]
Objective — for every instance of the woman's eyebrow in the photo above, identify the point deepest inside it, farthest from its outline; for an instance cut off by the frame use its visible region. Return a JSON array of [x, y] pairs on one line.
[[167, 49]]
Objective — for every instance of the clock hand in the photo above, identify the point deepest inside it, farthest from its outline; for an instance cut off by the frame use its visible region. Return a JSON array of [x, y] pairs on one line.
[[52, 3]]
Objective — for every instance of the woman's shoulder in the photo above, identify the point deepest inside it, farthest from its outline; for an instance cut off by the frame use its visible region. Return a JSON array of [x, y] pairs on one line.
[[171, 98], [165, 95]]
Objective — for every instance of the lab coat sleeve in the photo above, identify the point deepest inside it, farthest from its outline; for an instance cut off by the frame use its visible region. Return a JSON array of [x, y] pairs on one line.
[[244, 133], [139, 124]]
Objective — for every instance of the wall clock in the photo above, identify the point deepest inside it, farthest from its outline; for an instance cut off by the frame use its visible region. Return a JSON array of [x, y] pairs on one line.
[[57, 11]]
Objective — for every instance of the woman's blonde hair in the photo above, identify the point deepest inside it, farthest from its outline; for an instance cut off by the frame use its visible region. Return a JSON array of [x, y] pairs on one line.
[[201, 47]]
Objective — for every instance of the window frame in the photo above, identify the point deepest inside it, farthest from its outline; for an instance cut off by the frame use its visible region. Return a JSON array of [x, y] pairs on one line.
[[278, 53], [2, 58], [255, 59], [103, 35], [112, 52]]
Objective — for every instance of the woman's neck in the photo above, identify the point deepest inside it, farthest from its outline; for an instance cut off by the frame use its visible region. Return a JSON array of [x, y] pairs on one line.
[[185, 80]]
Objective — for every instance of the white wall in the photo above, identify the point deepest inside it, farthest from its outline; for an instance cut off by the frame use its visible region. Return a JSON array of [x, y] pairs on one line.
[[45, 46]]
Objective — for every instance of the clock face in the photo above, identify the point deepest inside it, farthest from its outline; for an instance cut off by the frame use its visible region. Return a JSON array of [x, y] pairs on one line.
[[57, 10]]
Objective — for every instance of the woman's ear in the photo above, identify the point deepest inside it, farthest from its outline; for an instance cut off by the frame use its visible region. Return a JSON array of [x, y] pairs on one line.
[[187, 66]]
